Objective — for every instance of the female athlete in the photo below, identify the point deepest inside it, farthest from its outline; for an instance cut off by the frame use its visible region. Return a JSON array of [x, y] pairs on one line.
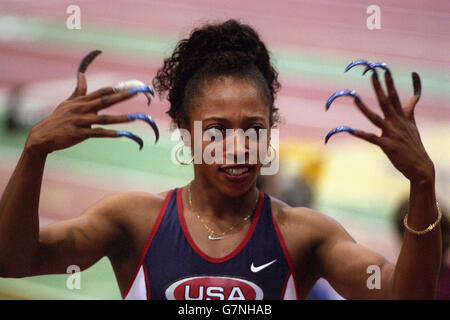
[[219, 237]]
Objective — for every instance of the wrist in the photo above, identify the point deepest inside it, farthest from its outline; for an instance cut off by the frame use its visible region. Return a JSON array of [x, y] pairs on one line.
[[33, 147], [425, 177]]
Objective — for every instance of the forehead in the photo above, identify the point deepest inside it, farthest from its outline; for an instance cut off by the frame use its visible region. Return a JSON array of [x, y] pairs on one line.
[[230, 98]]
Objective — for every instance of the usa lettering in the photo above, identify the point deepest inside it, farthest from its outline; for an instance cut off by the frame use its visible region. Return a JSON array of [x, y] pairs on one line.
[[213, 288], [213, 293]]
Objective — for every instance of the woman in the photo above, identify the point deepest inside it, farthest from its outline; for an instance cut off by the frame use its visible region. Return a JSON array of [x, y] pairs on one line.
[[219, 237]]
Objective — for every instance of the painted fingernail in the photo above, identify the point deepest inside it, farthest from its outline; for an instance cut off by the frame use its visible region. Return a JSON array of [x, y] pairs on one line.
[[337, 130], [131, 136], [142, 89], [357, 63], [381, 65], [340, 93], [87, 60], [147, 90], [416, 84], [366, 63], [148, 119]]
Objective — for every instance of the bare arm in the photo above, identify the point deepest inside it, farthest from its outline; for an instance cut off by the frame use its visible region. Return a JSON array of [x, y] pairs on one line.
[[19, 221], [22, 246], [414, 276]]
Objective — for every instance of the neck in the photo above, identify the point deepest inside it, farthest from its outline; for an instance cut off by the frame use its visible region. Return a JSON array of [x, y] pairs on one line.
[[212, 204]]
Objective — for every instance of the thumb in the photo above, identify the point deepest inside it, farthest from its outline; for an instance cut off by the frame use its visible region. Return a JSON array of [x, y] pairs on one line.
[[81, 87]]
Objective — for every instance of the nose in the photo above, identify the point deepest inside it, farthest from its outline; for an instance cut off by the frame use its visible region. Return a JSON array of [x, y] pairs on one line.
[[236, 145]]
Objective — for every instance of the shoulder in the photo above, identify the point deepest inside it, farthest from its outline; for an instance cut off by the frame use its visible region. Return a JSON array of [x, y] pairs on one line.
[[305, 230], [126, 210], [296, 219], [127, 202]]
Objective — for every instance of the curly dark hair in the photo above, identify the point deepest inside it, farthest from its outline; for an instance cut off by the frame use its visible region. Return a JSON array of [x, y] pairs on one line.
[[224, 49]]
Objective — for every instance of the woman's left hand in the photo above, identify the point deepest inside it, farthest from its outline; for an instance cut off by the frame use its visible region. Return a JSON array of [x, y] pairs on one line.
[[400, 138]]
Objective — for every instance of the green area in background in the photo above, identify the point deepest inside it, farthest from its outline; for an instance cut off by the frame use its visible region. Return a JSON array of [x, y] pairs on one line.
[[316, 67]]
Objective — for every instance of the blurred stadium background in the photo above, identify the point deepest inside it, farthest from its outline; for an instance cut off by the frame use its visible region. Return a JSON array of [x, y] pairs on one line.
[[311, 42]]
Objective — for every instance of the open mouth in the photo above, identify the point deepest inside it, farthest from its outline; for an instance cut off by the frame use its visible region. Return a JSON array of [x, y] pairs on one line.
[[237, 173]]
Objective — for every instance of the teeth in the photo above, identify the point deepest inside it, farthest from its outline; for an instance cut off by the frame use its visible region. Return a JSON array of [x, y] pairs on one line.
[[236, 171]]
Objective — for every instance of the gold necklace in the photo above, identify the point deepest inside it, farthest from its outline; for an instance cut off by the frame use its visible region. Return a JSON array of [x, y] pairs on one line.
[[211, 233]]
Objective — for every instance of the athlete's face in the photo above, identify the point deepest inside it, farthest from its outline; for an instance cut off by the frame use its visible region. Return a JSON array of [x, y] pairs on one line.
[[223, 106]]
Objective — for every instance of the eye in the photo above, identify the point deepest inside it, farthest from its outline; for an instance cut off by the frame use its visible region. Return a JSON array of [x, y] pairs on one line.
[[212, 133], [256, 130]]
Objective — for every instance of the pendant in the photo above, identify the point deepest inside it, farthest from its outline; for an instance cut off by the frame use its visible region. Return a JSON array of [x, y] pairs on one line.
[[211, 237]]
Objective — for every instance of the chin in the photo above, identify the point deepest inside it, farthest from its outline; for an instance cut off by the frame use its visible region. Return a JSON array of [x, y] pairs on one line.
[[236, 180]]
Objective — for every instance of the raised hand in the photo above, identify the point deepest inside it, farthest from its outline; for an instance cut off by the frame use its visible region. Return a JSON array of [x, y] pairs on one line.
[[400, 138], [71, 121]]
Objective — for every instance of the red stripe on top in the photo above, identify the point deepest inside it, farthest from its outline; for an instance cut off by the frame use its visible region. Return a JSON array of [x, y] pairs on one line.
[[150, 238], [147, 281], [235, 251], [287, 256]]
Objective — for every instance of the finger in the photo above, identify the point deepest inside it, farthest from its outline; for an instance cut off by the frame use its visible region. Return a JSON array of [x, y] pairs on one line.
[[97, 94], [370, 137], [105, 101], [392, 93], [91, 119], [81, 88], [105, 133], [383, 100], [372, 116], [104, 119], [411, 104]]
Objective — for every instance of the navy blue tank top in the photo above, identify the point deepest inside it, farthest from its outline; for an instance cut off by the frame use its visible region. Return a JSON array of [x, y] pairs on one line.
[[173, 267]]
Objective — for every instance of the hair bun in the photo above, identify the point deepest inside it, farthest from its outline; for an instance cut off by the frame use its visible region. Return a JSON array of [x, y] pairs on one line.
[[222, 48]]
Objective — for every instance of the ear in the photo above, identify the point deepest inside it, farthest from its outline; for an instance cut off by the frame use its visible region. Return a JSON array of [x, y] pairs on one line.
[[184, 129]]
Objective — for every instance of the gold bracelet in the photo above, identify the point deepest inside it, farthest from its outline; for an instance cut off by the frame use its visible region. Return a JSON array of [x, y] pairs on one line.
[[430, 227]]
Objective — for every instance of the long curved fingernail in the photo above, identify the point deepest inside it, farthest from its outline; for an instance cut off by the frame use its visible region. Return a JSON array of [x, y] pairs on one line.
[[148, 119], [147, 90], [416, 85], [337, 130], [357, 63], [366, 63], [340, 93], [132, 136], [381, 65], [86, 61]]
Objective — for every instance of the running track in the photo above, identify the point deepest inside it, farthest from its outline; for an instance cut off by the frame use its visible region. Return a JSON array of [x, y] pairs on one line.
[[324, 34]]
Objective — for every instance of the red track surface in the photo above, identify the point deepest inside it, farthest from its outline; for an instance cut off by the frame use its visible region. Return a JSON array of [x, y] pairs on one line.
[[409, 30]]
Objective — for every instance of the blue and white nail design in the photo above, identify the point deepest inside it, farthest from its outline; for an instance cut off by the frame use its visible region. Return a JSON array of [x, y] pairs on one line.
[[337, 130], [146, 118]]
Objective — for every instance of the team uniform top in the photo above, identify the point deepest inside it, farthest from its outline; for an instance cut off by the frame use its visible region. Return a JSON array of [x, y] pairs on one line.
[[172, 266]]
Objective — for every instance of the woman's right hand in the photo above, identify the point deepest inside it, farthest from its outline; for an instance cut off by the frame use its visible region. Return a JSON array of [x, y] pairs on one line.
[[71, 121]]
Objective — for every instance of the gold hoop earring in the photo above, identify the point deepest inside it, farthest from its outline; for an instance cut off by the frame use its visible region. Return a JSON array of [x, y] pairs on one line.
[[178, 160], [275, 151]]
